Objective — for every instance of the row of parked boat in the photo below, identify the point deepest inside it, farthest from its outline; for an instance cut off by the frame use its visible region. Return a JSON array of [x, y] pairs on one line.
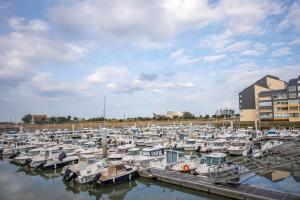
[[108, 156]]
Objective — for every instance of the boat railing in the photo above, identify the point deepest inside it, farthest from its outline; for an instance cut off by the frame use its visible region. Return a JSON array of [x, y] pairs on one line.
[[256, 163]]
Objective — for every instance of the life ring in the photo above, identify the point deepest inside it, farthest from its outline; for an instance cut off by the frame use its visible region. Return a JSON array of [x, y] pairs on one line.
[[186, 168]]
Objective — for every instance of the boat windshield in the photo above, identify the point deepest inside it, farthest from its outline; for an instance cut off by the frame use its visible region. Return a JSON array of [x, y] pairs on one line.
[[132, 153], [214, 160], [121, 151], [34, 153], [238, 144], [191, 142]]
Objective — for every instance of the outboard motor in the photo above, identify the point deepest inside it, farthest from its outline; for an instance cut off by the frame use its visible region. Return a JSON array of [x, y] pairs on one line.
[[250, 150], [66, 175], [28, 161], [62, 156], [1, 151], [40, 166], [71, 176], [14, 155], [96, 177]]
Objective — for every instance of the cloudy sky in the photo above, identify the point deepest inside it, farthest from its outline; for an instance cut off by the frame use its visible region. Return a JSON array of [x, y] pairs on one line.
[[60, 57]]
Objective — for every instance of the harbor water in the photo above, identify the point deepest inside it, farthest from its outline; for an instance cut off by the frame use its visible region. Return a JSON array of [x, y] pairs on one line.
[[21, 183]]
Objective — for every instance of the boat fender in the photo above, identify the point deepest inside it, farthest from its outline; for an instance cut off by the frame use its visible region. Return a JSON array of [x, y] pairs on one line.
[[186, 168]]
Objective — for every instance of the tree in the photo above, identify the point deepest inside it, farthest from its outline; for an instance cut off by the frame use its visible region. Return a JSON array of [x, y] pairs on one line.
[[206, 117], [69, 118], [27, 118], [52, 120], [188, 115]]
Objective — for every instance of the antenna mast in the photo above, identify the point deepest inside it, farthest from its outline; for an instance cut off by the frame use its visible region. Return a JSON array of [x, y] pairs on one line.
[[104, 113]]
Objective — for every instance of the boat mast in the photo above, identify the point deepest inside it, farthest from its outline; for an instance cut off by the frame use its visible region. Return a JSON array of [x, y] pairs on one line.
[[104, 135]]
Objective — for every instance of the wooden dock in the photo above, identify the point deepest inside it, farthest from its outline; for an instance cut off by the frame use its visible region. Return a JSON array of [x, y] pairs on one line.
[[241, 191]]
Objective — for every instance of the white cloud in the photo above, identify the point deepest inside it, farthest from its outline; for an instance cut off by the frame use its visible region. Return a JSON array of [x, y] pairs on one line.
[[237, 46], [250, 52], [44, 84], [277, 44], [105, 74], [292, 19], [260, 47], [23, 52], [214, 58], [123, 88], [295, 41], [281, 52], [180, 57], [22, 24], [142, 23]]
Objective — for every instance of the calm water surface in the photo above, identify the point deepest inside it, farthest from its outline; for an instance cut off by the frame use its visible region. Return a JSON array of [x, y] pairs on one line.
[[19, 183]]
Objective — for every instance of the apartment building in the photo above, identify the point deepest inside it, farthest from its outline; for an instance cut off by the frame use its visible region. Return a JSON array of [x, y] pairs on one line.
[[248, 98], [277, 104]]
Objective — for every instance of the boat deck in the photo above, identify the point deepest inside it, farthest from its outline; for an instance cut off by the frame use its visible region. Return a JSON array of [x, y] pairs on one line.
[[241, 191]]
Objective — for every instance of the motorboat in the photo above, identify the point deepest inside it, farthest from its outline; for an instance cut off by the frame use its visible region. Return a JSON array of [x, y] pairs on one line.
[[190, 145], [219, 145], [53, 158], [117, 172], [88, 169], [26, 157], [142, 157], [211, 160], [239, 147], [120, 152]]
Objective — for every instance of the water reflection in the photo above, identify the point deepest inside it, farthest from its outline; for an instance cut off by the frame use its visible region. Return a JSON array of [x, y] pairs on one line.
[[23, 183]]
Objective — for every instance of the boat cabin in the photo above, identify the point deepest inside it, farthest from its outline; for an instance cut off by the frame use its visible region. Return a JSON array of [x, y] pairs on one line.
[[153, 151], [214, 159]]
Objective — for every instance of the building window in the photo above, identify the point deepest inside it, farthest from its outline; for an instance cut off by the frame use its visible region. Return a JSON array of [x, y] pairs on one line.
[[292, 88], [293, 95], [298, 88], [281, 115], [293, 108], [292, 115], [280, 96], [280, 102], [294, 101], [265, 103], [266, 115], [281, 109]]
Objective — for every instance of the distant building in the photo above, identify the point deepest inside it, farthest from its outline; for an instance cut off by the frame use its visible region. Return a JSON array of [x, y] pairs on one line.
[[170, 114], [173, 114], [271, 99], [37, 119], [157, 116]]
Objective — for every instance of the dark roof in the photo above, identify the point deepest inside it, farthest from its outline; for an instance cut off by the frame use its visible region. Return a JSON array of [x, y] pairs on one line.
[[271, 92], [292, 81]]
